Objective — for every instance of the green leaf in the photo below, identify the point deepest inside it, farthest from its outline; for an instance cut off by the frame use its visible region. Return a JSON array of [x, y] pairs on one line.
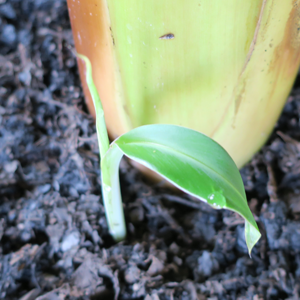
[[195, 164]]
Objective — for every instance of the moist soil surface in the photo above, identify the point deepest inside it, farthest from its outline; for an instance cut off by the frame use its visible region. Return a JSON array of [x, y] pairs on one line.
[[54, 241]]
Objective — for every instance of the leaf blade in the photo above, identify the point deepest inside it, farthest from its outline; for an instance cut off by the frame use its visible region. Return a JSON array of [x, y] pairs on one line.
[[194, 163]]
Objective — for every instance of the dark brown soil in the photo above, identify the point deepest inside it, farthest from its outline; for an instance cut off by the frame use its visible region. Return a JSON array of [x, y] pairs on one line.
[[54, 242]]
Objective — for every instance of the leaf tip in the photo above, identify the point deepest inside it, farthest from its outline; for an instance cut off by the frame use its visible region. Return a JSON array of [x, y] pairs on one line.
[[252, 236], [85, 59]]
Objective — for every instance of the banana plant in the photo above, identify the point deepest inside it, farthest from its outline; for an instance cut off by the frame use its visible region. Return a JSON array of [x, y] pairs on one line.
[[223, 68], [191, 161]]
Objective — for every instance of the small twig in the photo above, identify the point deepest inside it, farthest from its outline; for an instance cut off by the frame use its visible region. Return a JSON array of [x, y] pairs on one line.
[[180, 200], [33, 277]]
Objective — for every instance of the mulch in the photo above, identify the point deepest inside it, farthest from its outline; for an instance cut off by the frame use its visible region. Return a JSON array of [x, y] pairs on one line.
[[54, 241]]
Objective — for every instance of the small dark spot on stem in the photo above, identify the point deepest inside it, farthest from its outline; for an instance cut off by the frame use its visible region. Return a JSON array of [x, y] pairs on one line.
[[126, 110], [112, 36], [168, 36]]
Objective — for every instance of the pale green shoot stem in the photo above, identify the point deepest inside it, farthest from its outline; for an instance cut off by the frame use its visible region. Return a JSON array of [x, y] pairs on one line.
[[102, 135], [111, 193], [109, 166]]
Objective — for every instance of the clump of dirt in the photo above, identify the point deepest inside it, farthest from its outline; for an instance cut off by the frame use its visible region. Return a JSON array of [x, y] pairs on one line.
[[54, 241]]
